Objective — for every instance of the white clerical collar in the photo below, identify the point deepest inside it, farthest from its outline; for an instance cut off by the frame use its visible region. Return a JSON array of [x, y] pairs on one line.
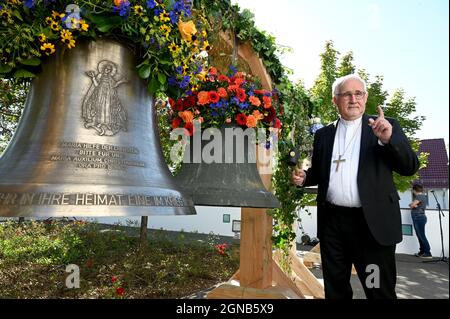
[[350, 123]]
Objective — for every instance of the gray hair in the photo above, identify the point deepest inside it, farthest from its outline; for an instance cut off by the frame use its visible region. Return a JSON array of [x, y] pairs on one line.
[[340, 81]]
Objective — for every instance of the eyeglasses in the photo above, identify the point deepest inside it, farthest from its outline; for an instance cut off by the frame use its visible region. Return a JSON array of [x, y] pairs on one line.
[[348, 95]]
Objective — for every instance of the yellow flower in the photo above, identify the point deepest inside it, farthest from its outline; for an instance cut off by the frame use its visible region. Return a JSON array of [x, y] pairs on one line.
[[54, 26], [164, 17], [5, 14], [71, 44], [174, 48], [165, 29], [42, 37], [49, 20], [138, 10], [66, 38], [206, 46], [84, 25], [66, 34], [187, 30], [48, 48]]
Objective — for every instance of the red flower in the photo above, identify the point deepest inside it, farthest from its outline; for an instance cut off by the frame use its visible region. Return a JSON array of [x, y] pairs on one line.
[[223, 78], [262, 92], [213, 97], [189, 101], [277, 123], [240, 94], [222, 92], [189, 127], [269, 115], [176, 122], [241, 119], [113, 278], [120, 291]]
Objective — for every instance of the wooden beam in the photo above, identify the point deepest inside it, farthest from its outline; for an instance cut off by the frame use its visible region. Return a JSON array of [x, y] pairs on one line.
[[307, 276], [256, 248], [255, 63], [228, 291], [281, 279]]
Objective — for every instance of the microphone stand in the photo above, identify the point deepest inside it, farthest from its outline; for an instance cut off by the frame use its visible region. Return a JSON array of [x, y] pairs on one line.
[[442, 258]]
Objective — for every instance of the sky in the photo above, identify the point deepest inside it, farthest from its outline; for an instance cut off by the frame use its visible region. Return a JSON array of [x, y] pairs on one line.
[[406, 41]]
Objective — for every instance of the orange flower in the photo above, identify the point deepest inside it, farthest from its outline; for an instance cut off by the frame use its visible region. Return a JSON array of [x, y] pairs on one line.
[[187, 116], [267, 102], [203, 98], [258, 115], [222, 92], [212, 71], [117, 3], [239, 81], [187, 30], [254, 100], [251, 121]]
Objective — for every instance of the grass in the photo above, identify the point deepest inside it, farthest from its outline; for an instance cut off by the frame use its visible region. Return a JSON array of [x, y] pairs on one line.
[[34, 256]]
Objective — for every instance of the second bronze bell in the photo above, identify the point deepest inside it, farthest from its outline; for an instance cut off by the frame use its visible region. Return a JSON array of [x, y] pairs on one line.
[[227, 178]]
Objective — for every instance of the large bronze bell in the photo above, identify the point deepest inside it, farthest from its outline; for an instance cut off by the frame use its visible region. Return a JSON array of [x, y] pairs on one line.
[[87, 143], [228, 178]]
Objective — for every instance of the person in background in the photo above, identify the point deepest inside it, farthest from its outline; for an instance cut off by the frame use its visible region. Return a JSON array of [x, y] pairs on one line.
[[418, 206]]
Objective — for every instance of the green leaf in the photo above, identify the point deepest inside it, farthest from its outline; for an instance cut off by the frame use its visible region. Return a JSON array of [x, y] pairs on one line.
[[144, 71], [17, 15], [21, 73], [31, 61], [4, 68], [162, 78], [106, 23], [153, 86]]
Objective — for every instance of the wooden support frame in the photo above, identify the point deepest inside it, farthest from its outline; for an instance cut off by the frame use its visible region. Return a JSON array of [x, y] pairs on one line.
[[260, 275]]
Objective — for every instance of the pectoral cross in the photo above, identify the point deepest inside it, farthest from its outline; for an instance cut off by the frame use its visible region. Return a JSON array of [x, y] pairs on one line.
[[339, 161]]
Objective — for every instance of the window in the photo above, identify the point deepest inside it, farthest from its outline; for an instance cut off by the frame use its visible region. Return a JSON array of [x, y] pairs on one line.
[[236, 226], [407, 229], [226, 218]]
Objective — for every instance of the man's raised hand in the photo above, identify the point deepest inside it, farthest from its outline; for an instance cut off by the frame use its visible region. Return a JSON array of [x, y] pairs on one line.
[[381, 127]]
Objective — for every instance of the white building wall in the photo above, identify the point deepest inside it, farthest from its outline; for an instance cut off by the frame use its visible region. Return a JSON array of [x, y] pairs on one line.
[[442, 195], [207, 220], [409, 244]]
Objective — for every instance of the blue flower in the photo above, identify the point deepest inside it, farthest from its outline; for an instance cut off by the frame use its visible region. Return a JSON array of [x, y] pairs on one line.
[[173, 17], [151, 4], [179, 69], [185, 82], [233, 70], [315, 127], [158, 11], [243, 106], [172, 81], [29, 4], [123, 8]]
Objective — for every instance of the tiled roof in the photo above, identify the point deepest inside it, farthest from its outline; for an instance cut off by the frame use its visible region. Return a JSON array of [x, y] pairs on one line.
[[435, 175]]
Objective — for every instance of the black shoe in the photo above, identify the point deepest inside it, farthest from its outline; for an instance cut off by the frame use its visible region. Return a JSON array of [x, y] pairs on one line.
[[419, 254], [426, 256]]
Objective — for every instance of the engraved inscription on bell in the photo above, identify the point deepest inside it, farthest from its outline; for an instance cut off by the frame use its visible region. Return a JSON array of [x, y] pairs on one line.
[[102, 109]]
